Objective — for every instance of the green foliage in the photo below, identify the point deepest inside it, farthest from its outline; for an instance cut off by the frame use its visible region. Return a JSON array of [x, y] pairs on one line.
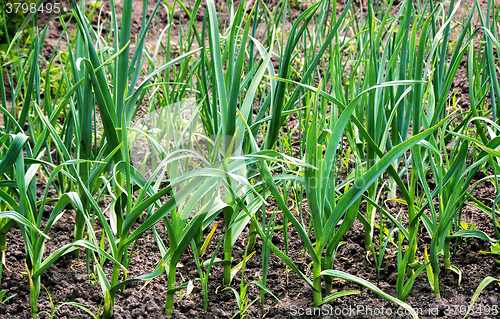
[[9, 22], [242, 110]]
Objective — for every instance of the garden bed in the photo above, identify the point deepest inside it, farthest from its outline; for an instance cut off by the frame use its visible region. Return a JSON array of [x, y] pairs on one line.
[[78, 290]]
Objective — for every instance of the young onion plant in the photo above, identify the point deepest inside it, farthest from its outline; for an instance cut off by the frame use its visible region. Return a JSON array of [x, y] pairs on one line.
[[232, 92], [448, 176], [373, 84], [453, 184], [407, 55], [29, 216], [170, 140], [117, 109]]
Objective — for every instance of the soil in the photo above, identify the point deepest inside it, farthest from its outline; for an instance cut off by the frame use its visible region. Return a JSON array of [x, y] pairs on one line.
[[66, 280]]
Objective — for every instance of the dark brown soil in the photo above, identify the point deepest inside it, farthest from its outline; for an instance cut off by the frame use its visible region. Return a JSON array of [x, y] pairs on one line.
[[67, 279]]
